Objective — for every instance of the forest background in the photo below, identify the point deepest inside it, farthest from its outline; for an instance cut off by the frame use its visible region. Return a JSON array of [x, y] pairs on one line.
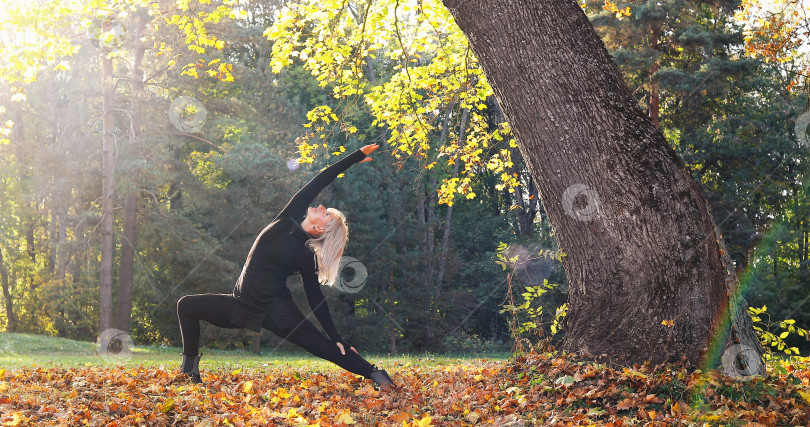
[[181, 123]]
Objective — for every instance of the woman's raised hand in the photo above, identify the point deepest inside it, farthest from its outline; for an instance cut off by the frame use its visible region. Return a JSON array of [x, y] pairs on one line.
[[368, 149]]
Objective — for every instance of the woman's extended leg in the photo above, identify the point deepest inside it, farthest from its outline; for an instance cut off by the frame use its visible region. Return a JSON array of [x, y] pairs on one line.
[[286, 320], [215, 309]]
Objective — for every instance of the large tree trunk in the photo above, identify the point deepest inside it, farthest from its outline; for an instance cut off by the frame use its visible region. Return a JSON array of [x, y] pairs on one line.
[[108, 190], [641, 245]]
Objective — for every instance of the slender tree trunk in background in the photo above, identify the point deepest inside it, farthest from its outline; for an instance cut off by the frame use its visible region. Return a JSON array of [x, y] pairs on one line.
[[525, 214], [130, 232], [53, 231], [421, 218], [56, 194], [61, 239], [437, 289], [29, 214], [430, 233], [393, 327], [108, 189], [391, 289], [802, 265], [641, 245], [655, 97], [11, 325], [175, 197], [124, 307], [436, 297], [24, 160], [804, 251], [30, 246]]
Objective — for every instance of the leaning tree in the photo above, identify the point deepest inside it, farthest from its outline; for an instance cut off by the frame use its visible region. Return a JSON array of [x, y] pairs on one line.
[[648, 273]]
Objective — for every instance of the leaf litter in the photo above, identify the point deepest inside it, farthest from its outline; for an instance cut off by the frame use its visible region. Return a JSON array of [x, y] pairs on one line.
[[531, 389]]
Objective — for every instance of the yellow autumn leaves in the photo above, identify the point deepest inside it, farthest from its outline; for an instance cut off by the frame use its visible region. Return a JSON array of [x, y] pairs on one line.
[[428, 77]]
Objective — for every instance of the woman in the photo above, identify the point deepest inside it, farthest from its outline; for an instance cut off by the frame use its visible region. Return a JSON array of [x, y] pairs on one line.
[[260, 297]]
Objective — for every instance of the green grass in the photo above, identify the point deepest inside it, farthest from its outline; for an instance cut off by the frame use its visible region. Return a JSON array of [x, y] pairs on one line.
[[20, 351]]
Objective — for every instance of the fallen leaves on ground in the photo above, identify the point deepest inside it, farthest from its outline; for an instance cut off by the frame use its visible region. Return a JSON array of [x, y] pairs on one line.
[[534, 389]]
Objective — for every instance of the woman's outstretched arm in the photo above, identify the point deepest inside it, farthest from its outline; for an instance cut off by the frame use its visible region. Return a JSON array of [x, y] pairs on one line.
[[297, 206]]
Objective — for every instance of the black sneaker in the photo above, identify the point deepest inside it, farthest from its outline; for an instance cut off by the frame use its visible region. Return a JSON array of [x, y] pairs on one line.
[[382, 379], [191, 368]]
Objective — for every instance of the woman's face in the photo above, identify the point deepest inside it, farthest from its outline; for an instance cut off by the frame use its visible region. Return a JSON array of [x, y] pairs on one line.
[[318, 217]]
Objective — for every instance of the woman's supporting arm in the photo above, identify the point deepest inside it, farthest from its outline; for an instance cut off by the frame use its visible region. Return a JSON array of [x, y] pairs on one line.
[[318, 304]]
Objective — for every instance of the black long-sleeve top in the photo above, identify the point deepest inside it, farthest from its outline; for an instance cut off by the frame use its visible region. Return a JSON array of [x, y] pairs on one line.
[[279, 251]]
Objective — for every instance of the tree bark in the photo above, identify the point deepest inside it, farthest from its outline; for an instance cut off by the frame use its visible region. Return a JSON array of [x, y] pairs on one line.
[[108, 190], [125, 274], [61, 238], [11, 324], [641, 245], [124, 307]]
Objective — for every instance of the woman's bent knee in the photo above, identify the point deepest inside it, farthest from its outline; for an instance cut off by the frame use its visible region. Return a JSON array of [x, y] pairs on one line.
[[184, 303]]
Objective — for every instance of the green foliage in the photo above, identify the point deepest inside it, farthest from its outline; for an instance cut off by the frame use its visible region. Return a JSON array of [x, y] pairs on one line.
[[528, 316], [772, 335]]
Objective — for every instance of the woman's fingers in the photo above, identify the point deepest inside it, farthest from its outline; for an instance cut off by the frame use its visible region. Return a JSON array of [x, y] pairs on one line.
[[342, 351], [368, 149], [367, 159], [358, 353]]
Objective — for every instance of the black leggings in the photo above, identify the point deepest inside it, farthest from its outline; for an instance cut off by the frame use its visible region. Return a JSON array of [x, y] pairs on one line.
[[284, 319]]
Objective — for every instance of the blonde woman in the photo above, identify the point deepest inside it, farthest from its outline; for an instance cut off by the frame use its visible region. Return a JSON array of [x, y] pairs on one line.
[[308, 240]]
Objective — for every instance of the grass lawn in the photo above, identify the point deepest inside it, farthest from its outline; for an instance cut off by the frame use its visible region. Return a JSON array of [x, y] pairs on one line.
[[26, 350]]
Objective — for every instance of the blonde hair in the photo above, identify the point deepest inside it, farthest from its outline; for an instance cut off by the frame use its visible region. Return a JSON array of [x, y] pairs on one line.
[[329, 247]]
